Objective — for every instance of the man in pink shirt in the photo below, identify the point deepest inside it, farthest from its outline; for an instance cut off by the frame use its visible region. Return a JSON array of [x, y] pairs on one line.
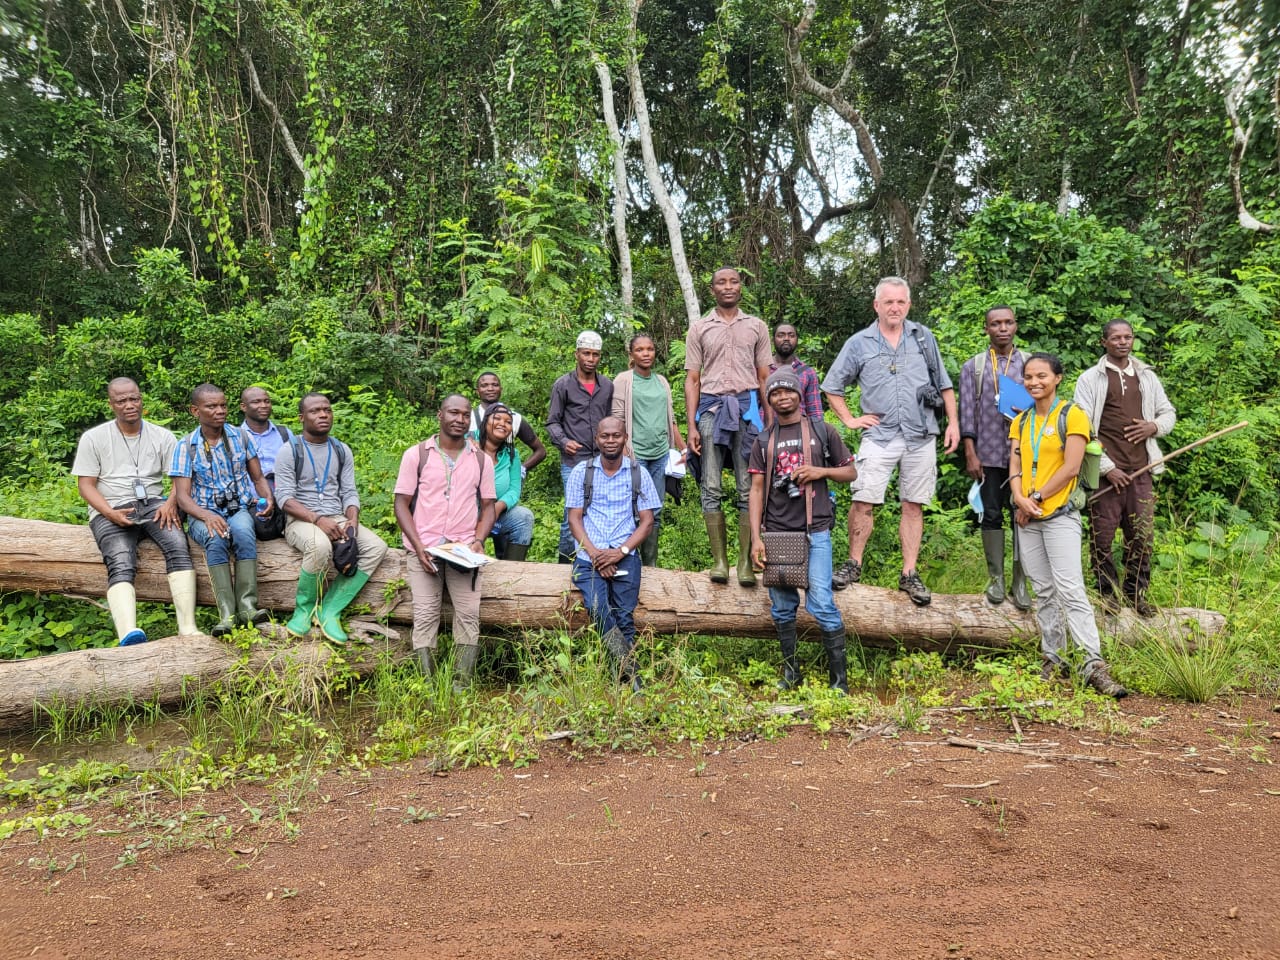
[[445, 494]]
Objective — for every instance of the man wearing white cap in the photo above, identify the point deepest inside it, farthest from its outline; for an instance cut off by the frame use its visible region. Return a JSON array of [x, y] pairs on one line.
[[579, 401]]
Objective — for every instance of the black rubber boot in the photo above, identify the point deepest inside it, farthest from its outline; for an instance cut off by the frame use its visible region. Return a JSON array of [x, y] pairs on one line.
[[465, 656], [837, 660], [791, 677], [516, 551]]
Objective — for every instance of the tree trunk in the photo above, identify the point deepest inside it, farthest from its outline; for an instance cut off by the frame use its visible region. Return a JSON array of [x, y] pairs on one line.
[[619, 185], [62, 558]]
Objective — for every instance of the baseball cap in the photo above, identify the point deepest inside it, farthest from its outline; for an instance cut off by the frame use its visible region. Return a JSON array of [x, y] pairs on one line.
[[589, 340]]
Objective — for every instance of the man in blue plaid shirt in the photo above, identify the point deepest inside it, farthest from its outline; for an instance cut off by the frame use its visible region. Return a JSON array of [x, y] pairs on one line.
[[609, 527], [218, 482]]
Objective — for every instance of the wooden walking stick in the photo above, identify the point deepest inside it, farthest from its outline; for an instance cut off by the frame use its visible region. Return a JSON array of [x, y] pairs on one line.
[[1169, 456]]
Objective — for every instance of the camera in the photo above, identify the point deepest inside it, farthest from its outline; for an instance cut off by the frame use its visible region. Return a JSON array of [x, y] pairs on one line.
[[227, 503], [787, 484], [929, 397]]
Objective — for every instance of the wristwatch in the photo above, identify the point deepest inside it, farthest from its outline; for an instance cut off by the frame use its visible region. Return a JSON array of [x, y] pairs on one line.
[[1035, 495], [624, 550]]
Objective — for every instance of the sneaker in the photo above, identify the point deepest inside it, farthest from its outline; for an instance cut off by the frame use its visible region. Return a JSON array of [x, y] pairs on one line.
[[1100, 679], [913, 587], [851, 572]]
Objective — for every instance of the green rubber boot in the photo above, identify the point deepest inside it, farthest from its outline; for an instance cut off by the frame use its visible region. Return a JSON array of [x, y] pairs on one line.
[[304, 607], [341, 592], [224, 595], [746, 575], [247, 609]]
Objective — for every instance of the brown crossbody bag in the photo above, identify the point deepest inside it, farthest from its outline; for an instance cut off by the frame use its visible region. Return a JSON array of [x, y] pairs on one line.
[[787, 551]]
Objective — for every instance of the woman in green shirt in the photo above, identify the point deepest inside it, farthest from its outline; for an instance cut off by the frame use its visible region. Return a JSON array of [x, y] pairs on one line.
[[642, 398], [513, 530]]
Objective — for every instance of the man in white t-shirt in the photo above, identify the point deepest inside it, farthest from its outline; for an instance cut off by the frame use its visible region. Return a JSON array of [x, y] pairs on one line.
[[119, 468]]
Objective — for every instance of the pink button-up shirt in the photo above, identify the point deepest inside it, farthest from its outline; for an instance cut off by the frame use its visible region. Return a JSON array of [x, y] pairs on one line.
[[447, 508]]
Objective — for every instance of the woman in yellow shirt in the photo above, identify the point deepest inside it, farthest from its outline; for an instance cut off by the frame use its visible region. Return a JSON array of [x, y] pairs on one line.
[[1043, 467]]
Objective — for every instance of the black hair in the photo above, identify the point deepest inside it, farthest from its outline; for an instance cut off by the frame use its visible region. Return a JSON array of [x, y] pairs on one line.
[[451, 396], [641, 335], [488, 373], [202, 390], [1050, 358], [999, 306], [484, 426], [1106, 327], [308, 396]]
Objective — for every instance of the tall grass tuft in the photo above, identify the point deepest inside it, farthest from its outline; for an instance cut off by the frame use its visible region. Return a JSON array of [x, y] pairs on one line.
[[1177, 669]]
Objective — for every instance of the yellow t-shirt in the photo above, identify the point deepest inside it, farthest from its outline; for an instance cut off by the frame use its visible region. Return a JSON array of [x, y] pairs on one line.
[[1052, 450]]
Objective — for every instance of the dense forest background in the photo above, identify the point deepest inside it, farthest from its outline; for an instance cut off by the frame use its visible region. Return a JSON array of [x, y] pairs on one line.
[[380, 199]]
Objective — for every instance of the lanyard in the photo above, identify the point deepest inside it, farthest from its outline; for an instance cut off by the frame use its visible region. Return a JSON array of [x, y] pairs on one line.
[[136, 448], [321, 482], [995, 373], [231, 461], [1036, 437]]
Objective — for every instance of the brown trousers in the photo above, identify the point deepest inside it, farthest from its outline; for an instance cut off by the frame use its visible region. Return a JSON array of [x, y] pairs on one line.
[[1132, 512]]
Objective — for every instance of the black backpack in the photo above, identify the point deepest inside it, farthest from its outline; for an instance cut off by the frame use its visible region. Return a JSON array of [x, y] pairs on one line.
[[588, 480]]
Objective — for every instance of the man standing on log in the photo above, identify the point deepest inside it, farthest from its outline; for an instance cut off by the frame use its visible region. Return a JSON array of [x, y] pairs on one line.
[[785, 341], [897, 365], [611, 500], [726, 360], [1128, 408], [489, 392], [215, 472], [316, 487], [790, 466], [444, 494], [119, 469], [579, 401], [985, 434]]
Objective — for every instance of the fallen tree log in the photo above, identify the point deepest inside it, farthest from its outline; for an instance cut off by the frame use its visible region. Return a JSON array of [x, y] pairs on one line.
[[62, 558]]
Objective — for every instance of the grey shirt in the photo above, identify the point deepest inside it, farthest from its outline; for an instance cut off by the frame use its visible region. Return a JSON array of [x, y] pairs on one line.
[[890, 380], [327, 496], [116, 461]]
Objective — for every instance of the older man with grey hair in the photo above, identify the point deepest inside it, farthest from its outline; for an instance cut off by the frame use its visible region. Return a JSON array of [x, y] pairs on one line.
[[897, 366]]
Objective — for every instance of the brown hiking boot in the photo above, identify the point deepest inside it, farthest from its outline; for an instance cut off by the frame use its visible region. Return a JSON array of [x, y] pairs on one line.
[[1049, 670], [1100, 679], [850, 572], [913, 587]]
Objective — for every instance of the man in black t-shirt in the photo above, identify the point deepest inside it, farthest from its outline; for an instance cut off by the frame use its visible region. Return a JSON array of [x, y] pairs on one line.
[[784, 478]]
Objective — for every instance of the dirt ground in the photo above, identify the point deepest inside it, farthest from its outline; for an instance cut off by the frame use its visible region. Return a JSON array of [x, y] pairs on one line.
[[809, 846]]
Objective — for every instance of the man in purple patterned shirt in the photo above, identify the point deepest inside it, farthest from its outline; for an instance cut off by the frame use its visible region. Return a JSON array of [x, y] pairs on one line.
[[985, 434], [785, 341]]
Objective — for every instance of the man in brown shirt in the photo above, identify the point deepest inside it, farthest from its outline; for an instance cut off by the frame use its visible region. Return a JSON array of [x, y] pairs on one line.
[[1128, 408], [727, 357]]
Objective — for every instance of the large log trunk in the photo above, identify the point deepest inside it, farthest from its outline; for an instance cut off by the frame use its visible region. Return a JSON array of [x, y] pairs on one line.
[[63, 558]]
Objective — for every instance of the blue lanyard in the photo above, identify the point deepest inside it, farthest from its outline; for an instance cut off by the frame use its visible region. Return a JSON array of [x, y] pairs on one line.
[[321, 482], [1037, 437]]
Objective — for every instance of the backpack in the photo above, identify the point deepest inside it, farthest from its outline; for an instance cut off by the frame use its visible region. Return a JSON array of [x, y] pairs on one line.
[[423, 451], [589, 478], [296, 442], [1085, 478], [980, 365]]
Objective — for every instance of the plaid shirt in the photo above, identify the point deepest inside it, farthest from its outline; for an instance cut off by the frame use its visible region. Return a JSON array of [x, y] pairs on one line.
[[811, 395], [609, 521], [211, 473]]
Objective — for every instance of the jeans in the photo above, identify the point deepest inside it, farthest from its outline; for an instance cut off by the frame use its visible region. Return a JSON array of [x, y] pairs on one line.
[[657, 470], [611, 603], [119, 545], [514, 526], [818, 598], [567, 547], [713, 468], [244, 541]]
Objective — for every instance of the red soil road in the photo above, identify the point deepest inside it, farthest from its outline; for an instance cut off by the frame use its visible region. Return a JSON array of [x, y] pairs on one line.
[[803, 847]]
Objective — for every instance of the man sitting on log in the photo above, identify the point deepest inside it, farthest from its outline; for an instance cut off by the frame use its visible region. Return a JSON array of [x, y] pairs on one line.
[[119, 469], [790, 466], [316, 487], [215, 472], [611, 501]]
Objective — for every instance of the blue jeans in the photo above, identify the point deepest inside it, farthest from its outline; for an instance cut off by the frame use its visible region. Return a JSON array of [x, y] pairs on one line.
[[818, 599], [514, 526], [657, 470], [713, 469], [612, 603], [567, 547], [244, 541], [119, 545]]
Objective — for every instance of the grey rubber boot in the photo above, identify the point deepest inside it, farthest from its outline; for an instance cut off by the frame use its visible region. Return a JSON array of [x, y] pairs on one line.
[[993, 547], [791, 677], [224, 595], [1019, 593], [247, 609]]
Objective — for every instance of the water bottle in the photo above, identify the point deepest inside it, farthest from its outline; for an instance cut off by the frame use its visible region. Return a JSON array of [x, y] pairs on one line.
[[262, 501], [1091, 467]]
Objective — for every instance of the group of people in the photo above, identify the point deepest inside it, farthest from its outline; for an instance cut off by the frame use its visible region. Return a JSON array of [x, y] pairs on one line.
[[753, 406]]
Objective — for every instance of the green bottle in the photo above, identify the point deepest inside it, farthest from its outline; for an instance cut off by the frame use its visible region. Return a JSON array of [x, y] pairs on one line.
[[1091, 468]]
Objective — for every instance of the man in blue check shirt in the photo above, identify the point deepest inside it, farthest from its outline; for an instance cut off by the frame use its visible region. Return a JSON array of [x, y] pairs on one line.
[[610, 514], [217, 482]]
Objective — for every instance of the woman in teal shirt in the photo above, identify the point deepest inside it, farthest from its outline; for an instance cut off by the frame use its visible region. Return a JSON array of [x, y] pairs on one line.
[[513, 530]]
